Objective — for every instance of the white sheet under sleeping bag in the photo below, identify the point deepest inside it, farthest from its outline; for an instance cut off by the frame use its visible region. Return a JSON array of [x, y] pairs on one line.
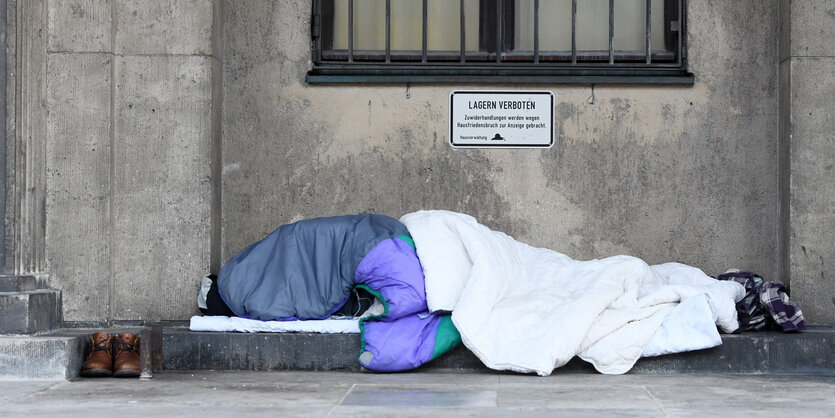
[[532, 309], [236, 324]]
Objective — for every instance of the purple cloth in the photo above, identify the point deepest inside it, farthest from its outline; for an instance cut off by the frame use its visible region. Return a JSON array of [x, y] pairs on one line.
[[401, 339], [392, 268], [399, 344]]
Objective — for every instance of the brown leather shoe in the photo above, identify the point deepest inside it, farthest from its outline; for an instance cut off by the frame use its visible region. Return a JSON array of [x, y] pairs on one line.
[[126, 355], [99, 362]]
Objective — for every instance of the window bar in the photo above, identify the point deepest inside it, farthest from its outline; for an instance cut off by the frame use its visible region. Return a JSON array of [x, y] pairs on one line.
[[319, 45], [649, 31], [573, 31], [425, 18], [463, 43], [499, 31], [680, 6], [388, 31], [611, 32], [536, 31], [350, 30]]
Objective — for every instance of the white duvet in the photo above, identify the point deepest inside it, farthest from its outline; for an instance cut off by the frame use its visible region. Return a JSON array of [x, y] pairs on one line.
[[532, 309]]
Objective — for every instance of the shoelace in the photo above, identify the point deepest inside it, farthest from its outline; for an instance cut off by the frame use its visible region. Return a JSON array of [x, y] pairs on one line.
[[125, 346], [102, 346]]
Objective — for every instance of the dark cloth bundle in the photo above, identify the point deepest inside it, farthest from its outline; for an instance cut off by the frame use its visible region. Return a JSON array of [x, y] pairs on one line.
[[766, 305]]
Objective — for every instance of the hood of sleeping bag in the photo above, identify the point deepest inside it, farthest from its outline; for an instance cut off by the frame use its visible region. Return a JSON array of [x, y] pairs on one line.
[[303, 270]]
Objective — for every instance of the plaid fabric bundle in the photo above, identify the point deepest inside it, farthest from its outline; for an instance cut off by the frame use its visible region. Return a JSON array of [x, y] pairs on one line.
[[750, 313], [766, 305], [783, 311]]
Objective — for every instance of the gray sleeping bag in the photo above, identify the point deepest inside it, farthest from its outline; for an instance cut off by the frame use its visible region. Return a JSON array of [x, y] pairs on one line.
[[303, 270]]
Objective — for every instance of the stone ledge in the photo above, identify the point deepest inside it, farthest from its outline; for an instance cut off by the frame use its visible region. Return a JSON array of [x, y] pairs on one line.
[[40, 357], [59, 355], [29, 312], [21, 283], [809, 352]]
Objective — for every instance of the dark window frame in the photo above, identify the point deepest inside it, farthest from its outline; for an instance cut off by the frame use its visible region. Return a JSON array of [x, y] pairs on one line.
[[484, 66]]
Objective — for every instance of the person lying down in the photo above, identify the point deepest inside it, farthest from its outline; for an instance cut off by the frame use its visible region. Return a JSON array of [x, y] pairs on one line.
[[516, 307]]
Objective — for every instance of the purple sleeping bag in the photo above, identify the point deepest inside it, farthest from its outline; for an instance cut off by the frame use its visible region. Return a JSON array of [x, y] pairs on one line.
[[405, 335]]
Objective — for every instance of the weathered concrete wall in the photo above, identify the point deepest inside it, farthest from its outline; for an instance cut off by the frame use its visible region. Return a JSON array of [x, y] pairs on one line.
[[663, 173], [3, 79], [784, 88], [807, 138], [9, 101], [154, 174], [129, 155]]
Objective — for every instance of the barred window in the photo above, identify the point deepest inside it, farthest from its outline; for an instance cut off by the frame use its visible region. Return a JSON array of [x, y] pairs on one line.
[[525, 41]]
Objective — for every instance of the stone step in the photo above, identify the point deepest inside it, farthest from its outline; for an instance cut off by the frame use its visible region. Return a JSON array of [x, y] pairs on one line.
[[808, 352], [59, 355], [29, 311], [40, 357], [21, 283]]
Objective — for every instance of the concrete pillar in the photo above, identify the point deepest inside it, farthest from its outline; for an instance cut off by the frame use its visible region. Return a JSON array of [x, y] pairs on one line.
[[3, 70], [130, 147], [25, 145], [162, 156], [162, 185], [78, 144], [807, 143]]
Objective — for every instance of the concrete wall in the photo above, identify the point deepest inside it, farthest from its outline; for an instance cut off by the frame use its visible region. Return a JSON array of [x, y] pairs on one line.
[[9, 98], [176, 132], [3, 53], [807, 137], [129, 155], [662, 173]]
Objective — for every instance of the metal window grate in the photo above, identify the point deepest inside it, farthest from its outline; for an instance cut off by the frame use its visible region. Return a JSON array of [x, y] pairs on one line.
[[496, 61]]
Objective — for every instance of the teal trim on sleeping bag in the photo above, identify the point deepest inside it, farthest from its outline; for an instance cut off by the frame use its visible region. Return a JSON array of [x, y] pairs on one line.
[[446, 337], [408, 240]]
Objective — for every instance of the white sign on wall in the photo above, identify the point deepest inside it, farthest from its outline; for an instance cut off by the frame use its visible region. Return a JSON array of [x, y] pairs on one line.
[[501, 119]]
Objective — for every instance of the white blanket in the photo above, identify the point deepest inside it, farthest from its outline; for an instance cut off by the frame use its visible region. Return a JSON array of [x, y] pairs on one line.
[[532, 309]]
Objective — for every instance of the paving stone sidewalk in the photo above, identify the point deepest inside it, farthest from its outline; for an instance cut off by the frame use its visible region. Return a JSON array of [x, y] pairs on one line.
[[345, 394]]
